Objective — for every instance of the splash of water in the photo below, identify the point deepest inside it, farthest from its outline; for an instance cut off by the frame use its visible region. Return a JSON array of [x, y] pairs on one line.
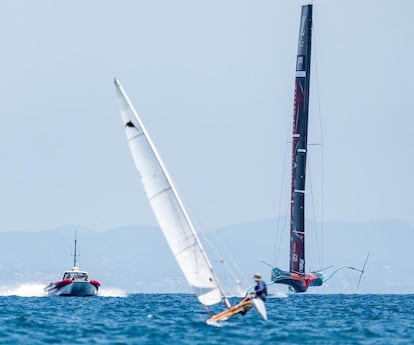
[[23, 290], [278, 294], [111, 292]]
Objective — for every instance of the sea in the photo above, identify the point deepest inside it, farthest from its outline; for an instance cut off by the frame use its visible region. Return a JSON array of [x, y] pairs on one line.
[[119, 318]]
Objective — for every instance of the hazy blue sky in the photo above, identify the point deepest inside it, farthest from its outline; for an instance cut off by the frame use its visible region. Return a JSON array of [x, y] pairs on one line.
[[213, 82]]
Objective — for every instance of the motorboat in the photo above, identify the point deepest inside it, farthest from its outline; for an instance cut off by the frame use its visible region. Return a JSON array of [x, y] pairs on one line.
[[74, 283]]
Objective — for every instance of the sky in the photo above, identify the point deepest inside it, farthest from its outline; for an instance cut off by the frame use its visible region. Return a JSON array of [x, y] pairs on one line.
[[213, 83]]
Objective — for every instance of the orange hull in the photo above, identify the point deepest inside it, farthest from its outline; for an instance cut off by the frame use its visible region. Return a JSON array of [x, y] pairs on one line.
[[242, 308]]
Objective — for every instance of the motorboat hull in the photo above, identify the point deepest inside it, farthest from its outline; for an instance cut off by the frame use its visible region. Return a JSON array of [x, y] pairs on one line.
[[74, 288]]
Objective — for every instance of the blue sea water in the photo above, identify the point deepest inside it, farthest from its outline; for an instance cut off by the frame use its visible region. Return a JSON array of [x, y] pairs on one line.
[[180, 319]]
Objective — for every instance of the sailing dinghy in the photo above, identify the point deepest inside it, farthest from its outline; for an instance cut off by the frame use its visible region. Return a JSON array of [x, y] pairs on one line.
[[297, 278], [171, 215]]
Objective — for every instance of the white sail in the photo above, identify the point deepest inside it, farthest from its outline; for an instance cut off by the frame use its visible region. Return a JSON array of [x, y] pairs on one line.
[[168, 208]]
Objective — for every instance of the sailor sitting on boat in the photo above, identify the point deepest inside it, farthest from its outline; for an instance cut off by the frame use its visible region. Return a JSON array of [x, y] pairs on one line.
[[260, 290]]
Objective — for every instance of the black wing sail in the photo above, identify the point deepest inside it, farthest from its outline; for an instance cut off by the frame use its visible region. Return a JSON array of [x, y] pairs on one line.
[[299, 144], [296, 277]]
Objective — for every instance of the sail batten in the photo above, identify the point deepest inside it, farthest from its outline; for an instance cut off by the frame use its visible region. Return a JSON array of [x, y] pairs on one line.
[[137, 136], [168, 208]]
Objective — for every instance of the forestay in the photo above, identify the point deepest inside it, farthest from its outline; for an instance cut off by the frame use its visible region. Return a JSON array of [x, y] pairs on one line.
[[168, 208]]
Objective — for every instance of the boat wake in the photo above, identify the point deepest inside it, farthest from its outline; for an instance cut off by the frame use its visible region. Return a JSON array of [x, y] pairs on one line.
[[215, 323], [278, 294], [111, 292], [23, 290], [36, 290]]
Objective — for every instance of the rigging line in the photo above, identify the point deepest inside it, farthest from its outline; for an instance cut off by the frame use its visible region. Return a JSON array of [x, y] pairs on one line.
[[314, 215], [322, 203], [319, 111], [284, 226], [228, 262], [280, 230], [215, 247]]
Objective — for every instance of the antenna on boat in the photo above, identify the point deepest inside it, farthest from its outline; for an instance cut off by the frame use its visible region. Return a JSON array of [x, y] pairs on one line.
[[75, 255]]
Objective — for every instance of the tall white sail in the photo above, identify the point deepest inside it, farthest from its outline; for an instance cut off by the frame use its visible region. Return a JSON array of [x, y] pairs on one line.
[[168, 208]]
